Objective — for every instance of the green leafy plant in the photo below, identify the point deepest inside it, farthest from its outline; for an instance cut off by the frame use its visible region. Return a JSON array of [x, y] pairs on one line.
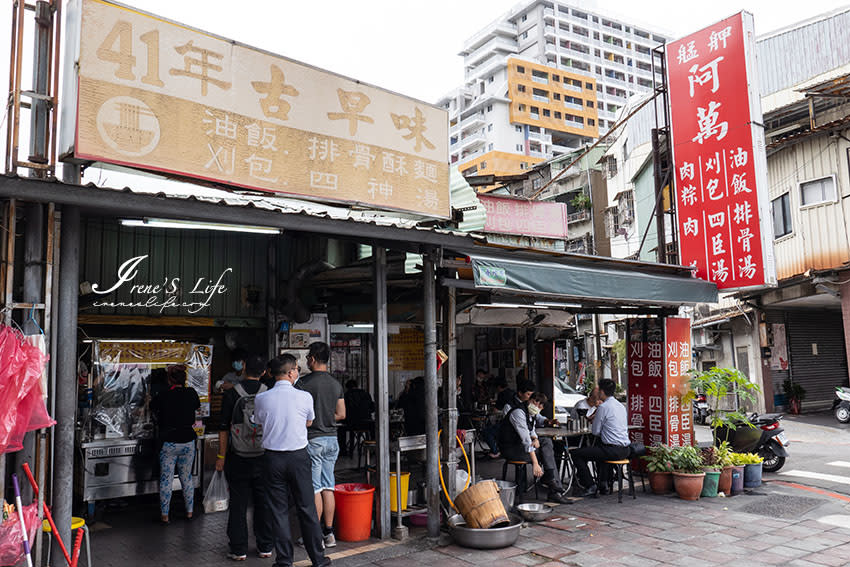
[[746, 459], [710, 458], [795, 393], [619, 350], [658, 459], [716, 384], [581, 202], [724, 454], [687, 460]]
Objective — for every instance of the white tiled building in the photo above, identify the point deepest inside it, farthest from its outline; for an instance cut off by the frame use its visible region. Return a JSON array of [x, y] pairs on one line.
[[543, 79]]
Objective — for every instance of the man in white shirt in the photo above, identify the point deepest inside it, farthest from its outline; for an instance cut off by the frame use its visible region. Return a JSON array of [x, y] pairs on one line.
[[285, 413], [610, 425]]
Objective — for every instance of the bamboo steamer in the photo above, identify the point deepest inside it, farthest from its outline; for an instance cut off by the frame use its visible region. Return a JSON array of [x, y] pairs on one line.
[[481, 506]]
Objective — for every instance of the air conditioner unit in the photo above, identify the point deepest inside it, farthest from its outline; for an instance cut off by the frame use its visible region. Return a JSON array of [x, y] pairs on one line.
[[704, 338]]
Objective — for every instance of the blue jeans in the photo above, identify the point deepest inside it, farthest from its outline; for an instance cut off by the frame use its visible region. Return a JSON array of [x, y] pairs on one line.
[[323, 453], [179, 456]]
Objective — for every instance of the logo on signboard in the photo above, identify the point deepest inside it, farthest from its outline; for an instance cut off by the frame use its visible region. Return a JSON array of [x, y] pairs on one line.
[[491, 275], [161, 295], [128, 126]]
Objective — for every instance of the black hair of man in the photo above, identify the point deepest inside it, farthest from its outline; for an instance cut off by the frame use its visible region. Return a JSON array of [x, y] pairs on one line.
[[608, 387], [351, 384], [282, 365], [502, 384], [320, 352], [177, 374], [524, 386], [540, 397], [238, 354], [255, 365]]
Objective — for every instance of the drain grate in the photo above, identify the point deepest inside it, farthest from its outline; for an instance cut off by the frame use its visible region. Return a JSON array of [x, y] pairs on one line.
[[782, 506]]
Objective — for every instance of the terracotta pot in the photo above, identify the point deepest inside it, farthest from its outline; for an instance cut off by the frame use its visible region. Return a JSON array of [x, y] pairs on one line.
[[688, 486], [661, 482], [724, 485]]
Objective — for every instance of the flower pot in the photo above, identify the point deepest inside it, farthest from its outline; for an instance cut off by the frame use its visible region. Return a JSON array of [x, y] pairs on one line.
[[688, 486], [737, 479], [709, 485], [724, 483], [752, 475], [661, 482]]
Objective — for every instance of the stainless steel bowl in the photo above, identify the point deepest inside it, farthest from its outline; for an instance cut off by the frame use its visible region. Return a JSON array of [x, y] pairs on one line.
[[477, 538], [532, 512]]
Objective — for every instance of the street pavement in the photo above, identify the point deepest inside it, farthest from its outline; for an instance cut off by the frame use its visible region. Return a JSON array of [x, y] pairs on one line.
[[796, 518]]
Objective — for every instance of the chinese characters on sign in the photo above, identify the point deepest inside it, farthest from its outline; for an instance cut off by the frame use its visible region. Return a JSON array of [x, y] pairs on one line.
[[718, 151], [526, 218], [163, 97], [658, 357]]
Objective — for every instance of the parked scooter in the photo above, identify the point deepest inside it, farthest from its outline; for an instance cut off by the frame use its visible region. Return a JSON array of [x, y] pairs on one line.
[[841, 404], [701, 409], [766, 438]]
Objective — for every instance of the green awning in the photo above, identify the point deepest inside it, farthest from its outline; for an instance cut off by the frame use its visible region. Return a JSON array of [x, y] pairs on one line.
[[612, 281]]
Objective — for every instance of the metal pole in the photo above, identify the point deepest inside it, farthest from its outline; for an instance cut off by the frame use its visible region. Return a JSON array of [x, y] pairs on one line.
[[33, 273], [40, 115], [66, 387], [432, 446], [597, 347], [449, 422], [381, 394]]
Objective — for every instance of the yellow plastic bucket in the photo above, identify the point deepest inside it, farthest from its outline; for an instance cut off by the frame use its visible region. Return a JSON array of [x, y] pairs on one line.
[[405, 482]]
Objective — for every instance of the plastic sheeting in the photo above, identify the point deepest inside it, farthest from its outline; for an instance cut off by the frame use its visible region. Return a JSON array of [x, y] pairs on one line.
[[22, 406]]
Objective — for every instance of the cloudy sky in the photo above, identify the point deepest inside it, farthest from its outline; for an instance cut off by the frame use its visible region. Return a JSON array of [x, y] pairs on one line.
[[411, 46]]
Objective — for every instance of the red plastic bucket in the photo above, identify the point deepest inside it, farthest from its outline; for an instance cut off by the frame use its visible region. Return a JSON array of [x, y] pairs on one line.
[[353, 511]]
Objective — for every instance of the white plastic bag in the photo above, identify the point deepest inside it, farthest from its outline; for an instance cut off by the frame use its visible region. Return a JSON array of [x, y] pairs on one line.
[[216, 496]]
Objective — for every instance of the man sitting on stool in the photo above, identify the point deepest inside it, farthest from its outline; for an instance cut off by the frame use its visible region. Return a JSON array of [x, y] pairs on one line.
[[519, 442], [611, 426]]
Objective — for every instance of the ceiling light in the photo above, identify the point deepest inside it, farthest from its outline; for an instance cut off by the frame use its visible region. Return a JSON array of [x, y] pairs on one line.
[[556, 304], [507, 305], [190, 225]]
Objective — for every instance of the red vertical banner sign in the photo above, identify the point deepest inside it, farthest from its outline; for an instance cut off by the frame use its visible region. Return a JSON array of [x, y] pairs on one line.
[[658, 357], [677, 349], [720, 165], [645, 367]]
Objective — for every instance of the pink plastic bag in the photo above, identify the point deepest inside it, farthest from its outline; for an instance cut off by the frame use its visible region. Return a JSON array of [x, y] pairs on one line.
[[11, 541], [21, 404]]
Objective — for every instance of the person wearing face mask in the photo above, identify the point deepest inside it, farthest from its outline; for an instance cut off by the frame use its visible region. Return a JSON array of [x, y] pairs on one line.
[[236, 373]]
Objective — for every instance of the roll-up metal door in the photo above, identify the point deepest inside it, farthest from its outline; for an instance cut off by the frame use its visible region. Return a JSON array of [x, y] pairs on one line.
[[818, 361]]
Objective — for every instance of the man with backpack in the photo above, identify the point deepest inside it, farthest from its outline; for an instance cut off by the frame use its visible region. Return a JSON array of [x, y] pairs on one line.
[[241, 458]]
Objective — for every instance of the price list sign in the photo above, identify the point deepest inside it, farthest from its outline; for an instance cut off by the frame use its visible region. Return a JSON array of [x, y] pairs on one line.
[[720, 165]]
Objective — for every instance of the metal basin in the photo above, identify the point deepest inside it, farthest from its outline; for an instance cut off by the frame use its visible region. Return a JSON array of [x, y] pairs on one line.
[[492, 538], [532, 512]]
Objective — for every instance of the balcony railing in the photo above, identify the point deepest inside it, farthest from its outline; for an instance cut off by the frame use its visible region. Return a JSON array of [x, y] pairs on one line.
[[573, 105], [542, 80], [579, 216], [540, 98]]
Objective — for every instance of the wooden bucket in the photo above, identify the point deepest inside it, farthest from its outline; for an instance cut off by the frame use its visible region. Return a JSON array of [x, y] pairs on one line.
[[481, 506]]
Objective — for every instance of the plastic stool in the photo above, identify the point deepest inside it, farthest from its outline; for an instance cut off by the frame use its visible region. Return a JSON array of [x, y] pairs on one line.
[[520, 469], [76, 524], [623, 467]]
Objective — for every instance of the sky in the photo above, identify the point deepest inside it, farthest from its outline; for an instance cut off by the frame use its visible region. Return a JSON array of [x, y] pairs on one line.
[[411, 46]]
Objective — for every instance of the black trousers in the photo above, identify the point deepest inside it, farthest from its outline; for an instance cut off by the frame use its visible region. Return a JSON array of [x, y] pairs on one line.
[[246, 481], [288, 475], [545, 457], [599, 453]]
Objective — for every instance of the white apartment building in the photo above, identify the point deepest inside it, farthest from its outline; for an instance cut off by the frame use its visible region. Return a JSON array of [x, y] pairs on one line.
[[541, 80]]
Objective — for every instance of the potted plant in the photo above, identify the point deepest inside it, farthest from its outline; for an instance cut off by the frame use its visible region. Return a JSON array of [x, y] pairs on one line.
[[659, 467], [688, 473], [752, 469], [738, 464], [717, 384], [724, 461], [795, 394], [581, 202], [711, 466]]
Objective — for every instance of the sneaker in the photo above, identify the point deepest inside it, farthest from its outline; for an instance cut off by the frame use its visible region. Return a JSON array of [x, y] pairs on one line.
[[236, 557], [329, 540], [264, 554]]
